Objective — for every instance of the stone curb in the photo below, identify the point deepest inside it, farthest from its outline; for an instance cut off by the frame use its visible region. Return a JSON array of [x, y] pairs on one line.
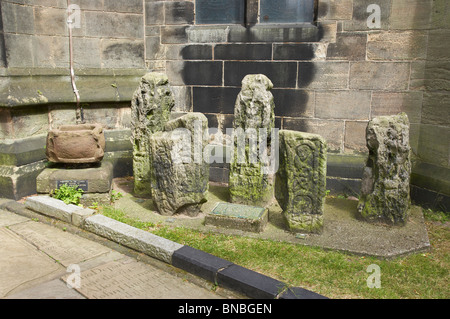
[[214, 269], [55, 208]]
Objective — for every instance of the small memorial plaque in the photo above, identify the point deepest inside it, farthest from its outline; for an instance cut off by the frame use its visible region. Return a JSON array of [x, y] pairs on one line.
[[236, 216], [80, 184]]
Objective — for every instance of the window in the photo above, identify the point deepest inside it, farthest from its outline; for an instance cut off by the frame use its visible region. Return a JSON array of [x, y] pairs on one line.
[[219, 11], [286, 11], [262, 11]]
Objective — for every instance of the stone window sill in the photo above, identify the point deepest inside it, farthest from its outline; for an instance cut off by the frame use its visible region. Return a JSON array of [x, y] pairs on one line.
[[286, 32]]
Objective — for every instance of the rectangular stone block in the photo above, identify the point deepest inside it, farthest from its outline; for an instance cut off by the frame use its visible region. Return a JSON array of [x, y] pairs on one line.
[[360, 15], [323, 75], [214, 99], [122, 53], [209, 34], [114, 25], [410, 14], [95, 180], [335, 10], [299, 51], [241, 217], [389, 76], [282, 74], [154, 12], [79, 216], [199, 263], [265, 33], [294, 103], [406, 45], [331, 130], [432, 148], [174, 34], [436, 74], [189, 52], [391, 103], [19, 50], [343, 105], [195, 72], [51, 207], [355, 133], [179, 12], [18, 19], [348, 46], [243, 52], [435, 109], [250, 283], [140, 240], [131, 6]]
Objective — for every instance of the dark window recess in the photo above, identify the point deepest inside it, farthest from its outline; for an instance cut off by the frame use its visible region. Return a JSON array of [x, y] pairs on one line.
[[286, 11], [220, 11]]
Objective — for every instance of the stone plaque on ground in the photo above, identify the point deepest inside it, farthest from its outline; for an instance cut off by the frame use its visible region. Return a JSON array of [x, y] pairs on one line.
[[254, 113], [385, 193], [300, 185], [237, 216], [151, 105]]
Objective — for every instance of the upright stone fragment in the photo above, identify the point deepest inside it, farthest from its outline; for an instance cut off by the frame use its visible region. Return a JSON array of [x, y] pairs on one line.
[[180, 174], [251, 182], [385, 186], [151, 105], [300, 185]]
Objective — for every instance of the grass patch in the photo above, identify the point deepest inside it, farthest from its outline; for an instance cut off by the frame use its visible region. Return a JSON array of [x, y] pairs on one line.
[[331, 273]]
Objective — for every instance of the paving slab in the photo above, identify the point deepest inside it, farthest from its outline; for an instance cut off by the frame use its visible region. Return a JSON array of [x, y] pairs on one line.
[[21, 263], [8, 219], [62, 246], [34, 260], [130, 279]]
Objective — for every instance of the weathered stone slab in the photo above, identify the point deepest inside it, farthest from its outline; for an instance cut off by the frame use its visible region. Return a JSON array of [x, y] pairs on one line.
[[250, 182], [20, 257], [60, 245], [8, 219], [129, 279], [51, 207], [56, 208], [134, 238], [151, 105], [300, 185], [385, 192], [76, 144], [180, 174], [91, 180], [235, 216]]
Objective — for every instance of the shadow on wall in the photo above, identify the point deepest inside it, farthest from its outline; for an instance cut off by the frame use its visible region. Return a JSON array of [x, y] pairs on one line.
[[217, 82]]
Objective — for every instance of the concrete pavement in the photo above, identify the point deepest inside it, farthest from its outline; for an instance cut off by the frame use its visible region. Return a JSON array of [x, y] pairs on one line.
[[41, 258]]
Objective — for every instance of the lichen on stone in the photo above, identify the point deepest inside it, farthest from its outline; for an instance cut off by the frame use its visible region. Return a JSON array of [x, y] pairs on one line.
[[300, 185], [385, 191], [254, 110], [151, 105]]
